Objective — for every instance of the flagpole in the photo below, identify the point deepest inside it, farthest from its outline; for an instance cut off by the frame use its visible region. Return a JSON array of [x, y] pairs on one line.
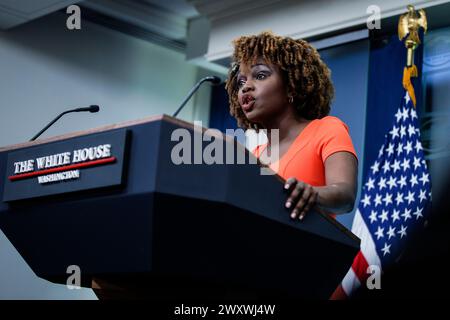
[[408, 26]]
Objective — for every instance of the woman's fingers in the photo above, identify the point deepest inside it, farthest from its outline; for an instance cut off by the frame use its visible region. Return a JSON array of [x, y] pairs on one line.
[[297, 190], [302, 197], [302, 201], [289, 183], [311, 201]]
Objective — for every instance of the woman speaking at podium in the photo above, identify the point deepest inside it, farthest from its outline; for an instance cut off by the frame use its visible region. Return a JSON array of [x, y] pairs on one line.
[[281, 83]]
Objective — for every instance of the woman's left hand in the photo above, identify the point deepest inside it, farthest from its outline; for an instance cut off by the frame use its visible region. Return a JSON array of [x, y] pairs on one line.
[[302, 197]]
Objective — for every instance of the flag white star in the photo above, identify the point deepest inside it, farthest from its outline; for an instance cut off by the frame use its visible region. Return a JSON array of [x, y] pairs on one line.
[[375, 167], [373, 216], [380, 152], [382, 183], [391, 232], [418, 146], [387, 199], [402, 181], [402, 231], [413, 113], [377, 199], [411, 130], [370, 184], [379, 233], [366, 200], [416, 163], [383, 216], [422, 195], [418, 213], [407, 214], [399, 148], [398, 115], [408, 148], [405, 114], [394, 132], [386, 249], [396, 165], [395, 215], [390, 149], [405, 164], [402, 131], [413, 180], [410, 197], [386, 167], [424, 179], [399, 198], [406, 97], [392, 182]]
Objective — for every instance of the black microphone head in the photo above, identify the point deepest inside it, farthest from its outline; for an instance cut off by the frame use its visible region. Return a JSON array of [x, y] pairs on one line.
[[94, 108], [214, 80]]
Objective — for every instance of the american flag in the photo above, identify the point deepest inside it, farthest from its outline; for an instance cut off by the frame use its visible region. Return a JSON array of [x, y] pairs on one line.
[[394, 198]]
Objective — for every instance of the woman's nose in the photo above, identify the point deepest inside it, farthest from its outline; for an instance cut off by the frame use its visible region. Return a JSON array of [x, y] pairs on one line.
[[247, 87]]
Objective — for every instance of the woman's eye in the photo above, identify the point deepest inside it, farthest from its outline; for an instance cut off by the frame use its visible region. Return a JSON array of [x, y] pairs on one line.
[[240, 82], [261, 76]]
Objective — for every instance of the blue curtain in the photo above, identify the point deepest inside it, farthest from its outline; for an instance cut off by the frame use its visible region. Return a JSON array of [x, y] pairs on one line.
[[219, 116]]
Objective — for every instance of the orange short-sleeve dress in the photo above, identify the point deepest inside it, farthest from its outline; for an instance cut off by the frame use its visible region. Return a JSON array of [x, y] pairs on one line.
[[305, 158]]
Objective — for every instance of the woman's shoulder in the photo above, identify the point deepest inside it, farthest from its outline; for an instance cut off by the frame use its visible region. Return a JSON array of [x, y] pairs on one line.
[[331, 123]]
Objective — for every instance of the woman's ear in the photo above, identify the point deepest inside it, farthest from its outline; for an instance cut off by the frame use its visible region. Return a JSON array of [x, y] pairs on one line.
[[290, 96]]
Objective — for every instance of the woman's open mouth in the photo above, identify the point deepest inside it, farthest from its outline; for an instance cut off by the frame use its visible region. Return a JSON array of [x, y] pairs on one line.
[[247, 102]]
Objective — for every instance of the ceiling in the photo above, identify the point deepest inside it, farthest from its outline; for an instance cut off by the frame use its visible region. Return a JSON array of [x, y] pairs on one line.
[[203, 28], [161, 21], [180, 7]]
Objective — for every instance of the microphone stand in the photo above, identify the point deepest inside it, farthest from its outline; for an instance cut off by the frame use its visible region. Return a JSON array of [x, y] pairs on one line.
[[90, 109], [214, 80]]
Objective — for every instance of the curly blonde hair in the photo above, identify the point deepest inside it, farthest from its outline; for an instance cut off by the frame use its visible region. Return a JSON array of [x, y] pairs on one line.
[[307, 77]]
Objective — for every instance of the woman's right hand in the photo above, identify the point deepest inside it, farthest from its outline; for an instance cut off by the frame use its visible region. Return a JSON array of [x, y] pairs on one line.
[[302, 197]]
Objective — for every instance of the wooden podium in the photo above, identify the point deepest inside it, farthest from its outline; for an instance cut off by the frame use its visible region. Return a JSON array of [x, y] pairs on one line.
[[160, 229]]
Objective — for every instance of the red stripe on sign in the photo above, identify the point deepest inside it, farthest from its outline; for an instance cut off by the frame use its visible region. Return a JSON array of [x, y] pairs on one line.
[[64, 168]]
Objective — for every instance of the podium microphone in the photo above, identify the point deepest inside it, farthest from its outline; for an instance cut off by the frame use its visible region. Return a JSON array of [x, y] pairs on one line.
[[93, 108], [213, 79]]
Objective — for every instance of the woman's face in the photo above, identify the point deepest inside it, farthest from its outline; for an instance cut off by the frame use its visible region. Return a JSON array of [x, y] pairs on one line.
[[262, 91]]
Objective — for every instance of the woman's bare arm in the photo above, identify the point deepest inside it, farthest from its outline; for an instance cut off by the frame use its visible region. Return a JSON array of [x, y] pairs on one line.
[[337, 196]]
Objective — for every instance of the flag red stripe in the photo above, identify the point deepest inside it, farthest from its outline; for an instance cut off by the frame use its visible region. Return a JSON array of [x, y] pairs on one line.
[[339, 294], [360, 266]]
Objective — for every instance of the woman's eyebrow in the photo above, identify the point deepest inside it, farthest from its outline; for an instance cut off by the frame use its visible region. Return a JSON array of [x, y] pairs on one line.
[[251, 67], [260, 64]]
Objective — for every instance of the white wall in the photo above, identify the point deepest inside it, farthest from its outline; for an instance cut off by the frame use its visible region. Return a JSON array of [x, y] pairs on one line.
[[45, 69], [298, 19]]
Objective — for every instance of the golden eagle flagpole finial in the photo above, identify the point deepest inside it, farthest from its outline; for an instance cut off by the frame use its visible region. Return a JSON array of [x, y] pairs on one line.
[[408, 25]]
